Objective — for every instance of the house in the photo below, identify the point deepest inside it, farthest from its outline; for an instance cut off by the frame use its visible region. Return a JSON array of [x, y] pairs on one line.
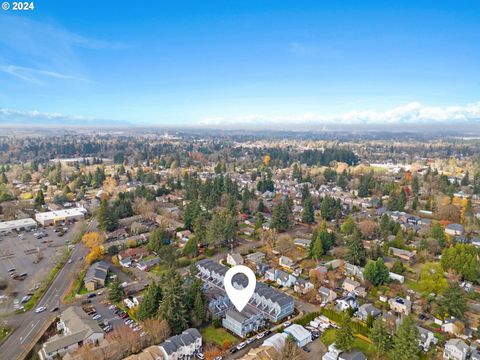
[[350, 285], [255, 257], [455, 349], [402, 254], [454, 229], [276, 341], [263, 352], [234, 259], [243, 323], [133, 253], [184, 235], [347, 302], [96, 276], [285, 279], [286, 262], [127, 262], [366, 310], [77, 328], [302, 286], [326, 295], [301, 335], [400, 305], [150, 353], [453, 326], [354, 270], [304, 243], [181, 346], [146, 265], [426, 338], [352, 355], [131, 303]]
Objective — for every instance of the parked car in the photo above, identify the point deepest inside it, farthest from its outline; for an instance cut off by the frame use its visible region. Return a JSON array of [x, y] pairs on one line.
[[97, 317], [287, 323], [92, 295], [241, 345], [250, 340], [200, 355]]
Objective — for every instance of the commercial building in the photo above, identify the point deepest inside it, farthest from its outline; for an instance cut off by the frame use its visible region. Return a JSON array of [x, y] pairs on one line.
[[77, 329], [52, 217], [17, 225]]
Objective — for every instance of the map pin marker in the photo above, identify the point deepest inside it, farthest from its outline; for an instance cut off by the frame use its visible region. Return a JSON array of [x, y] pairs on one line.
[[240, 298]]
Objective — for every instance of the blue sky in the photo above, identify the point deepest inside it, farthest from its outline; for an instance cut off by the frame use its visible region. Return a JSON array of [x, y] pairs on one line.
[[235, 62]]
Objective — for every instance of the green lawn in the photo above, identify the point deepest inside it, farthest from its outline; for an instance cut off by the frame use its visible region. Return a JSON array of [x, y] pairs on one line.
[[4, 332], [328, 337], [217, 336]]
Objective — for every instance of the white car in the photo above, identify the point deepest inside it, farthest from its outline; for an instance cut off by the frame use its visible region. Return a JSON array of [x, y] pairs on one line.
[[200, 355], [97, 317], [40, 309], [250, 340], [260, 336], [241, 346], [287, 323]]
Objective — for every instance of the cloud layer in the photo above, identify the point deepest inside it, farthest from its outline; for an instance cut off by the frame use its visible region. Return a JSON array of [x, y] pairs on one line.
[[412, 113]]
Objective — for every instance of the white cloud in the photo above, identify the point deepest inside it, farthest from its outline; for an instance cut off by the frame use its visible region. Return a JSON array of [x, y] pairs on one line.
[[412, 113], [12, 116], [33, 75]]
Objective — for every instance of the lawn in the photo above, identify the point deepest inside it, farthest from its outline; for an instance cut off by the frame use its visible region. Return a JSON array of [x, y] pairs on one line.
[[217, 336], [4, 332], [359, 344]]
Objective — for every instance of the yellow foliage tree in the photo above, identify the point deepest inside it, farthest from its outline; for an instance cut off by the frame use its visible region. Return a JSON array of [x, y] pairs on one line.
[[109, 185], [266, 160], [94, 254], [93, 239]]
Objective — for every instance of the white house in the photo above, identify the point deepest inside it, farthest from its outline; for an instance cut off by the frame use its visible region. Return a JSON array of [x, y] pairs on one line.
[[301, 335], [234, 259], [455, 349]]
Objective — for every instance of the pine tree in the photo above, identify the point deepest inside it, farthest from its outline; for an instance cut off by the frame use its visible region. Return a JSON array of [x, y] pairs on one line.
[[344, 336], [172, 307], [376, 272], [308, 211], [116, 291], [191, 247], [151, 299], [406, 341], [39, 199], [356, 253], [380, 337]]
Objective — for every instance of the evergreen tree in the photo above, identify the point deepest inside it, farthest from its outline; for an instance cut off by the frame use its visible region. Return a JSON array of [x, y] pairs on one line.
[[406, 341], [308, 211], [191, 247], [172, 307], [151, 299], [39, 199], [107, 218], [380, 337], [356, 253], [376, 272], [281, 217], [115, 291], [344, 336], [454, 301]]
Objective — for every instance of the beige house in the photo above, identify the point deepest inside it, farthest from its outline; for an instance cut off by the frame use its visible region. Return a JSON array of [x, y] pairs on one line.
[[77, 328]]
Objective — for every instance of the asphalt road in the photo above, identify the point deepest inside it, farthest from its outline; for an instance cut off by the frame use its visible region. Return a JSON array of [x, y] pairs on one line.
[[28, 325]]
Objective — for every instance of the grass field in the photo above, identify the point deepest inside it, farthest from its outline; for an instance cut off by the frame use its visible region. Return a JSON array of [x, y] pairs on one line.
[[218, 336], [359, 344]]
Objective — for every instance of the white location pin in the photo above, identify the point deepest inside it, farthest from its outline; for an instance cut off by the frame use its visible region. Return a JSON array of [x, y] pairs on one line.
[[239, 298]]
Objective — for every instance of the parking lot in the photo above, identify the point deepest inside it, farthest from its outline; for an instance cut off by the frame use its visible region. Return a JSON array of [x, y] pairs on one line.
[[28, 255]]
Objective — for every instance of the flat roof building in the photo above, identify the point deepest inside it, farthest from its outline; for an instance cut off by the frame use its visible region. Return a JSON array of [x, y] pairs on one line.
[[52, 217], [18, 225]]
